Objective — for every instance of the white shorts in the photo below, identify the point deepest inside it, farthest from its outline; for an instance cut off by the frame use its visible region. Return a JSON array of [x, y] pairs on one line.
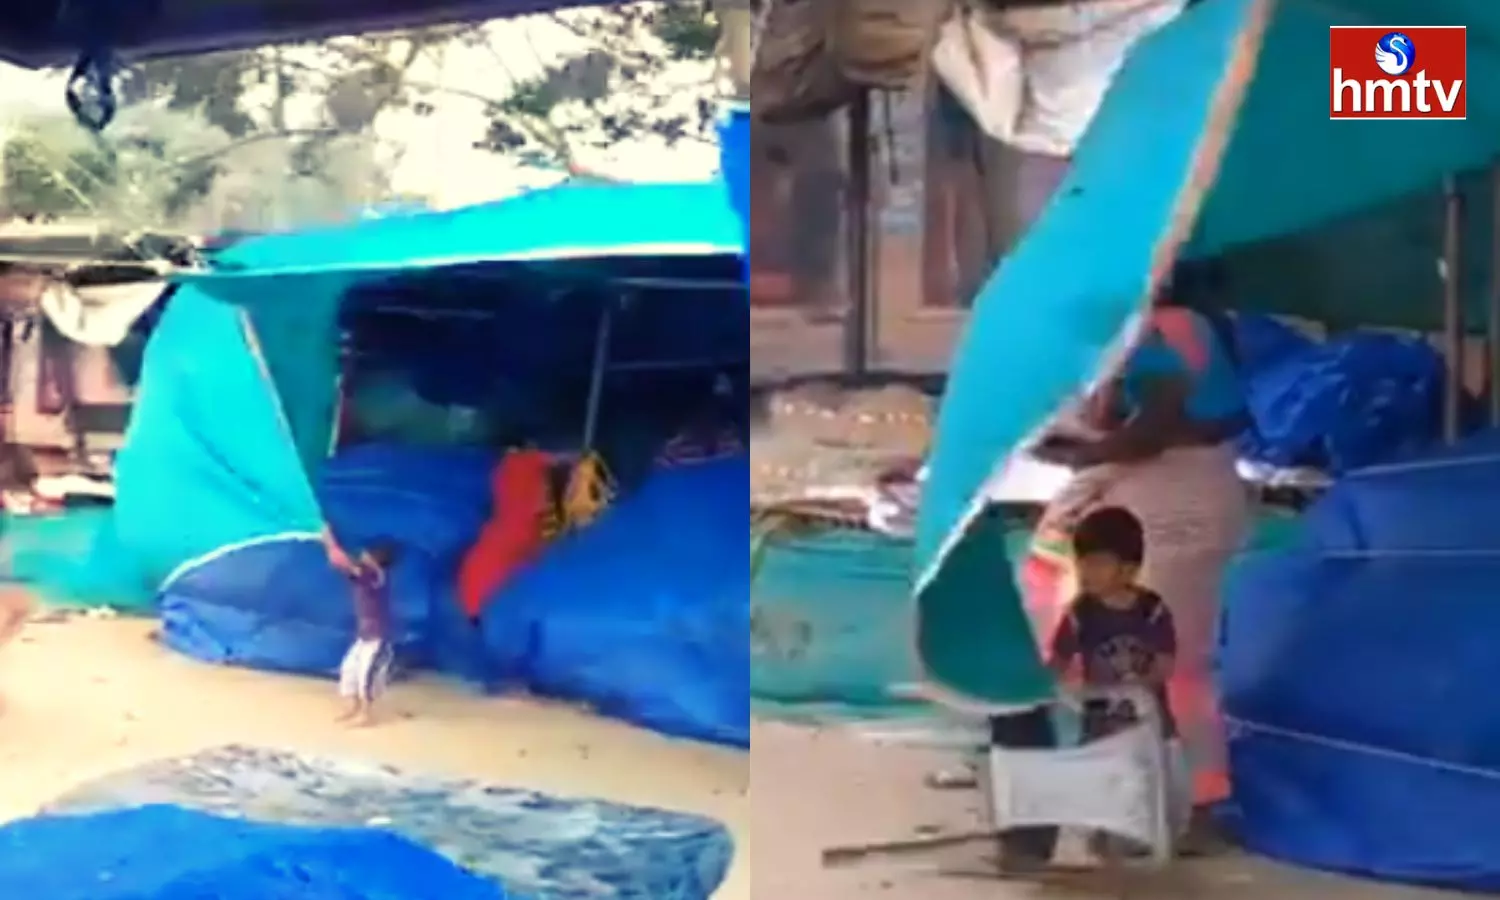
[[366, 670]]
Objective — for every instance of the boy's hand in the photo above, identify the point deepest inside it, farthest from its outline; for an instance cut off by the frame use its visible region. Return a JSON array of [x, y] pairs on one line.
[[336, 555]]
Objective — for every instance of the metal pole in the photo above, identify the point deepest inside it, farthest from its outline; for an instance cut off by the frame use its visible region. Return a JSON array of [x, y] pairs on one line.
[[857, 325], [1453, 311], [596, 383], [1492, 345]]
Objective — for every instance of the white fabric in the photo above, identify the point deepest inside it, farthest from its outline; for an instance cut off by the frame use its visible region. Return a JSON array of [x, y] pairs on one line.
[[984, 71], [1034, 77], [99, 316], [364, 671]]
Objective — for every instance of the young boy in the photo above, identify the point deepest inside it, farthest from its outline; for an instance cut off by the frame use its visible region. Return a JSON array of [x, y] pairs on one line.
[[366, 669], [1119, 633], [1116, 632]]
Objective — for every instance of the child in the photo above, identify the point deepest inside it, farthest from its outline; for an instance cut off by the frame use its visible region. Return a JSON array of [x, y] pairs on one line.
[[1116, 632], [1119, 633], [366, 668]]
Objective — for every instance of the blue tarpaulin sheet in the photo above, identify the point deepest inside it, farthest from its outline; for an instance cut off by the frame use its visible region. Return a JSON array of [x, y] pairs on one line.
[[646, 614], [1357, 668], [277, 605], [170, 853], [1338, 405]]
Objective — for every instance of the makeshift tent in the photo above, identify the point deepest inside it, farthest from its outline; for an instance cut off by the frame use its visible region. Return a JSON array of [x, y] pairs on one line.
[[226, 482], [1240, 152]]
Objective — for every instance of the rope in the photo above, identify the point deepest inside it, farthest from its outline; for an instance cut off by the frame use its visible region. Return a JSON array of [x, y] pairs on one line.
[[1396, 756]]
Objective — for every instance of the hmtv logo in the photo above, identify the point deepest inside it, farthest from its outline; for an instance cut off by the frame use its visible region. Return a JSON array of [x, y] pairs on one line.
[[1398, 73]]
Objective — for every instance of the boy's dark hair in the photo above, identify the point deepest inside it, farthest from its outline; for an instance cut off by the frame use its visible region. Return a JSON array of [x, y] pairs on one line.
[[384, 553], [1112, 530]]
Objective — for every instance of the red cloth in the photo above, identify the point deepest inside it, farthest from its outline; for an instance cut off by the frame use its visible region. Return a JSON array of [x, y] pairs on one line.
[[516, 531]]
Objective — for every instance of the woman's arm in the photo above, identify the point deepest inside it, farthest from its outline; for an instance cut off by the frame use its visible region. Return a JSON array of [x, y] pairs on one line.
[[1160, 422]]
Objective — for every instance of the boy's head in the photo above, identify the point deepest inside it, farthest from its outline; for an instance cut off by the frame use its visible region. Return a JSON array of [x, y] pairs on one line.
[[1109, 546]]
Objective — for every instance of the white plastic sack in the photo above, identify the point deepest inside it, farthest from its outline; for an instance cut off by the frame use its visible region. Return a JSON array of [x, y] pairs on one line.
[[100, 315], [1034, 77], [983, 71]]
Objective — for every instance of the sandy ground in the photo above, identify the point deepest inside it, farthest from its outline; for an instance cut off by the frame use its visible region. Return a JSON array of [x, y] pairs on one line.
[[818, 789], [87, 698]]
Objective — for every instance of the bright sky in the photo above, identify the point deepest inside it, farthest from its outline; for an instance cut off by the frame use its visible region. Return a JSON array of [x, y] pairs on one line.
[[434, 155]]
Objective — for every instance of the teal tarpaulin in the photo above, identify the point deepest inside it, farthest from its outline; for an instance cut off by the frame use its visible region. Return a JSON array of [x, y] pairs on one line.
[[236, 404]]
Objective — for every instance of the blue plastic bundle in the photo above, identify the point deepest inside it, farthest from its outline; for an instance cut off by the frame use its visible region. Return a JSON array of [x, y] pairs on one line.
[[645, 615], [170, 853], [1357, 400]]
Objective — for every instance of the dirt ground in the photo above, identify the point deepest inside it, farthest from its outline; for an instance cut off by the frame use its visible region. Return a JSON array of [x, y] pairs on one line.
[[86, 698], [814, 789]]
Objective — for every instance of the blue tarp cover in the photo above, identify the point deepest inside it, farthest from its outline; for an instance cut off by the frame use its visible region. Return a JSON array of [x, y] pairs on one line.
[[1358, 669], [1338, 405], [277, 604], [169, 853], [645, 615]]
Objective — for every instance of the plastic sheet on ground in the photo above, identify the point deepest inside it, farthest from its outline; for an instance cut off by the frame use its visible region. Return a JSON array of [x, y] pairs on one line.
[[169, 853], [539, 847], [74, 559]]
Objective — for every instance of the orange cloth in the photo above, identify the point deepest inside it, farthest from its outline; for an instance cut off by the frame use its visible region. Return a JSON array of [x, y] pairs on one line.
[[516, 531]]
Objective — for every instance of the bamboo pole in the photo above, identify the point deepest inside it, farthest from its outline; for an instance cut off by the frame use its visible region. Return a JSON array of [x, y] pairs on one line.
[[1492, 345], [1453, 309], [858, 324]]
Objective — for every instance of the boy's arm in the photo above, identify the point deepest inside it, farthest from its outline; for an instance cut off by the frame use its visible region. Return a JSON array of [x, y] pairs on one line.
[[336, 555]]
